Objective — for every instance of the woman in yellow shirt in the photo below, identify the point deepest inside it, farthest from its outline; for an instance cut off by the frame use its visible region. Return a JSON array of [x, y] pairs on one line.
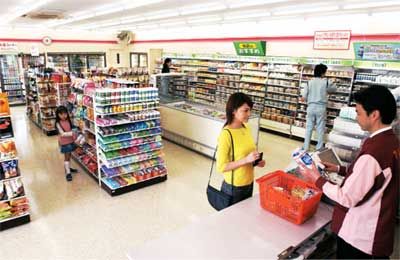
[[238, 112]]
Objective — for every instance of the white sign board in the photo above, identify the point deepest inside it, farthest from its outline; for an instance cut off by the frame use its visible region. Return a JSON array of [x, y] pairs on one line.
[[332, 40], [8, 46]]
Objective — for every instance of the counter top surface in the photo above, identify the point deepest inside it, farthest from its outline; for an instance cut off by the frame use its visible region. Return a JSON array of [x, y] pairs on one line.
[[244, 230]]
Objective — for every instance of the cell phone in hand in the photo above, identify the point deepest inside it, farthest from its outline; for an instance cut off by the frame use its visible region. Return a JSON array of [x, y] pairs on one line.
[[258, 160]]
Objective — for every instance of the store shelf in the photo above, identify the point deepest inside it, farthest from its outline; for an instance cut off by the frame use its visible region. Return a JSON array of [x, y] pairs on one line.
[[10, 179], [19, 197], [292, 79], [375, 83], [284, 71], [92, 174], [128, 122], [129, 139], [104, 158], [135, 186], [275, 126], [127, 132], [127, 146], [253, 82], [125, 103], [280, 100], [14, 221], [157, 154], [128, 172], [124, 112], [277, 85], [282, 93]]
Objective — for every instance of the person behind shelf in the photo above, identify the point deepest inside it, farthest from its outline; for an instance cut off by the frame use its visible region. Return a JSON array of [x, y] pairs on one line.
[[238, 111], [365, 215], [315, 95], [66, 139], [166, 66]]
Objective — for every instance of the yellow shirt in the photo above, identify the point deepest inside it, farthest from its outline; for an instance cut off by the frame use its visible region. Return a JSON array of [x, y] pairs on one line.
[[243, 144]]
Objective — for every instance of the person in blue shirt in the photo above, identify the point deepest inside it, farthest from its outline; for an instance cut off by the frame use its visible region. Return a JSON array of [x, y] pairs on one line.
[[316, 96]]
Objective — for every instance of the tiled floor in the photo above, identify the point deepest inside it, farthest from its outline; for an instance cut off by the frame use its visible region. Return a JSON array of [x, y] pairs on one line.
[[79, 220]]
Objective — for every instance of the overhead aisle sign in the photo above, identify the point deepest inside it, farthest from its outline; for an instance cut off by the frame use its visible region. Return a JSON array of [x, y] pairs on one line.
[[250, 48]]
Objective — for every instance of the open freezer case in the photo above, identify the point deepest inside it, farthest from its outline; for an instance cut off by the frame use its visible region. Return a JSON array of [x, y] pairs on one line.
[[196, 126]]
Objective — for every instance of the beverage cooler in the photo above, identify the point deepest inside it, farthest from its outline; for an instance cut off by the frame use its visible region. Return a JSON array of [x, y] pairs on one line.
[[11, 79]]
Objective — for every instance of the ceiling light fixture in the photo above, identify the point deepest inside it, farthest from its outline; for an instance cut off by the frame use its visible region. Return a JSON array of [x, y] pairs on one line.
[[238, 4], [106, 10], [197, 9], [372, 4], [306, 10]]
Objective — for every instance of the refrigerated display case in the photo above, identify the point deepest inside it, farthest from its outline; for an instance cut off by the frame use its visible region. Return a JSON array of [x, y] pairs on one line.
[[196, 126], [78, 63], [12, 79], [139, 59], [96, 61], [58, 62], [29, 61]]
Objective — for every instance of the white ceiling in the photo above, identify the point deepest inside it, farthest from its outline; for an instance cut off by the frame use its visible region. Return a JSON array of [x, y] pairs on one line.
[[139, 15]]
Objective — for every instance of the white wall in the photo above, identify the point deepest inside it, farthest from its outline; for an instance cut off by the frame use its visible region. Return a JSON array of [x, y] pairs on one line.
[[358, 24]]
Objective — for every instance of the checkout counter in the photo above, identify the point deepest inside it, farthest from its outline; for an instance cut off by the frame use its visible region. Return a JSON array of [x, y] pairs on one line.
[[242, 231]]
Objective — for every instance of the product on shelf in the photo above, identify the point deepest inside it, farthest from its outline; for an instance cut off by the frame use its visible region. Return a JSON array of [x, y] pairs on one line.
[[14, 208], [11, 79]]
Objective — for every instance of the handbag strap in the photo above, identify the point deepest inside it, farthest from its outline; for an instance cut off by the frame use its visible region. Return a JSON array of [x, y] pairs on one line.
[[233, 159]]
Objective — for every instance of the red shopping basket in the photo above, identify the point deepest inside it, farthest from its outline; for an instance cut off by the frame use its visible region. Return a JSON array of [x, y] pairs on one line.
[[284, 204]]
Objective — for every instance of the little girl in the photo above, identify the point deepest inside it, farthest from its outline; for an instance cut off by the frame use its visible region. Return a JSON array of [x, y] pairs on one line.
[[66, 139]]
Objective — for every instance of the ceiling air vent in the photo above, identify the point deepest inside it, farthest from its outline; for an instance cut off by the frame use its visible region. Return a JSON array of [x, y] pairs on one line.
[[44, 15]]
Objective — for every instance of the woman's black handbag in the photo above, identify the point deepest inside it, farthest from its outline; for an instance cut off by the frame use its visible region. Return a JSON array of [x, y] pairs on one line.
[[219, 199]]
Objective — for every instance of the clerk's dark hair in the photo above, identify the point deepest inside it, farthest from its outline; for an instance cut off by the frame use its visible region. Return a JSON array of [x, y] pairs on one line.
[[377, 98], [235, 101], [61, 110], [167, 60], [319, 70]]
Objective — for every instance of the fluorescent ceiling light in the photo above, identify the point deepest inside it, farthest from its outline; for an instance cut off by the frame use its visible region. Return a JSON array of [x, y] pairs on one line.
[[307, 10], [372, 4], [387, 15], [196, 9], [172, 23], [106, 10], [147, 26], [204, 19], [243, 15], [238, 4], [161, 14]]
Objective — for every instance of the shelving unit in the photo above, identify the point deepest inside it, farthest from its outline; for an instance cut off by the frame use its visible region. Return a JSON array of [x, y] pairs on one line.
[[47, 99], [12, 79], [121, 124], [128, 135], [282, 97], [342, 77], [14, 207]]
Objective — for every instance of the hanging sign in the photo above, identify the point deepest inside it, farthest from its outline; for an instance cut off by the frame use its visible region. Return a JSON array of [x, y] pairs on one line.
[[379, 51], [250, 48], [34, 50], [8, 46], [332, 40]]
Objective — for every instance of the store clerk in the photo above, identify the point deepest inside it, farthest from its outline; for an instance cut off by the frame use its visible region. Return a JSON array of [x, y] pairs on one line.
[[365, 216], [166, 66]]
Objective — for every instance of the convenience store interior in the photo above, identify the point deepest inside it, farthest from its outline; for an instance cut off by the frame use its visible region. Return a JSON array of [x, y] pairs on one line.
[[129, 40]]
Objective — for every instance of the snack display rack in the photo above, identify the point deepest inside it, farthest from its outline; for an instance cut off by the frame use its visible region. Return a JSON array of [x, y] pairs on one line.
[[45, 93], [121, 124], [12, 79], [14, 207]]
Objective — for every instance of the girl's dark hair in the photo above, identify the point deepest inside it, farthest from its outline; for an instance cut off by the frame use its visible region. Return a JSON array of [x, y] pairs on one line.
[[61, 110], [378, 98], [319, 70], [235, 101]]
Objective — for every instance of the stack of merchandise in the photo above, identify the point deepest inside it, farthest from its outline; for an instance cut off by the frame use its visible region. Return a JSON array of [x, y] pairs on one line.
[[347, 136], [14, 208]]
